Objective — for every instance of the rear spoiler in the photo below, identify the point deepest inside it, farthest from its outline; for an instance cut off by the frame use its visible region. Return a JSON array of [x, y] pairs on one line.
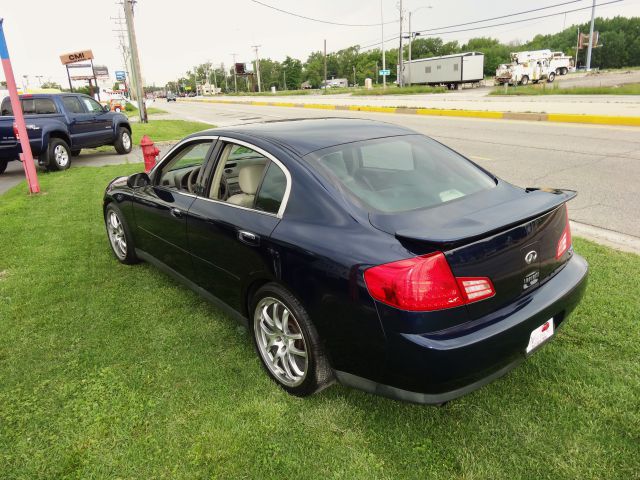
[[462, 225]]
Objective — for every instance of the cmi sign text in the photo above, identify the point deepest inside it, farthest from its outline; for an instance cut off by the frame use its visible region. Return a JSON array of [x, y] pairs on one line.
[[74, 57]]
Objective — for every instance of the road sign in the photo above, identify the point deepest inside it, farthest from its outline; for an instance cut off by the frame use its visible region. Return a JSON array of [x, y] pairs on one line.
[[121, 75], [384, 72], [74, 57]]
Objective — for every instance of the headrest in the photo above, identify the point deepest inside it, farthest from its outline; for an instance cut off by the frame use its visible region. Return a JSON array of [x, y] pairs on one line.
[[249, 178]]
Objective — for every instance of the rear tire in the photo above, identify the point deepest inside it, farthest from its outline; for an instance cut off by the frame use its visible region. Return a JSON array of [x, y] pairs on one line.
[[58, 155], [524, 80], [123, 143], [287, 342], [551, 77], [3, 165]]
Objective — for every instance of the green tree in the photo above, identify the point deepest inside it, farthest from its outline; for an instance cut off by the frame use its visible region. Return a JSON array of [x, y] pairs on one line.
[[293, 69]]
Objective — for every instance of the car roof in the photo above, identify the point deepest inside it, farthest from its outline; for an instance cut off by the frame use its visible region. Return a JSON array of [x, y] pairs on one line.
[[310, 134]]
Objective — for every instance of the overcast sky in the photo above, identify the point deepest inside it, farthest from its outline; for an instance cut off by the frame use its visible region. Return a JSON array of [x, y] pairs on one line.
[[173, 36]]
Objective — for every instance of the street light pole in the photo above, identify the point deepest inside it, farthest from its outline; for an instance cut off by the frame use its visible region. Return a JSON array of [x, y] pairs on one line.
[[400, 59], [325, 65], [384, 63], [593, 19]]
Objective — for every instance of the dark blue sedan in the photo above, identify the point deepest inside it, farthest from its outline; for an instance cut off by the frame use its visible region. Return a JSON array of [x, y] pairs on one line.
[[356, 251]]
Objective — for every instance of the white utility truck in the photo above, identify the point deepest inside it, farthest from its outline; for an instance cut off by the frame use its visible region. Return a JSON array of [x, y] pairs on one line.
[[533, 66]]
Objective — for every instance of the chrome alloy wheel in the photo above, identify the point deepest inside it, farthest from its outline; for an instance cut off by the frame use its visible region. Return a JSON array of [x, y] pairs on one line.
[[126, 140], [280, 341], [61, 156], [116, 235]]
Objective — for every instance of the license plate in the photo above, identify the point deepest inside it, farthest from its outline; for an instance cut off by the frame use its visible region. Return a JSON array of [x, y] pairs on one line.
[[540, 335]]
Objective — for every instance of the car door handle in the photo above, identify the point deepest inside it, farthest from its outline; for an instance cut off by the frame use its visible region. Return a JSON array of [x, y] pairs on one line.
[[176, 212], [248, 238]]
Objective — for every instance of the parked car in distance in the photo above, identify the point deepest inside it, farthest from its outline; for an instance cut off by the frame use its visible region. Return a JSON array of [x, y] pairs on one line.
[[356, 250], [59, 126], [171, 97]]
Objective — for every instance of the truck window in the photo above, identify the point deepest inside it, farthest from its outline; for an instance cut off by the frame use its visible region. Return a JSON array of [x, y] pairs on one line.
[[28, 106], [45, 106], [72, 105], [91, 105]]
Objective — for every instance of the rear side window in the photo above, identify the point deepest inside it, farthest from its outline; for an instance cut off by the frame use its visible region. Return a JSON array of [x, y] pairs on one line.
[[272, 190], [28, 106], [397, 174], [72, 104], [7, 109], [45, 106]]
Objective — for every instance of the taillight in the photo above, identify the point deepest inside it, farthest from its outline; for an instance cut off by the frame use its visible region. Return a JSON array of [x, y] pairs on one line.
[[16, 133], [423, 283], [565, 239]]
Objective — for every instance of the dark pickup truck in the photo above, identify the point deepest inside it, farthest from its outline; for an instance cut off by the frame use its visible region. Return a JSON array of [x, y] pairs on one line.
[[59, 126]]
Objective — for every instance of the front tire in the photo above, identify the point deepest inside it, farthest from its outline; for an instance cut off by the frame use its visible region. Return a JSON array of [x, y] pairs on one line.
[[3, 165], [552, 77], [58, 155], [524, 80], [123, 142], [120, 237], [287, 342]]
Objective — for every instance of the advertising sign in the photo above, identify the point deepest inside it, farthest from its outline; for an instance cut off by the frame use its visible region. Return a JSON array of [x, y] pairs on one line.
[[101, 71], [74, 57], [121, 75]]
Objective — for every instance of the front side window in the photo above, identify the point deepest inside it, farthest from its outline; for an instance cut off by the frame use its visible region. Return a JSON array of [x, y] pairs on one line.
[[398, 174], [181, 172], [91, 105]]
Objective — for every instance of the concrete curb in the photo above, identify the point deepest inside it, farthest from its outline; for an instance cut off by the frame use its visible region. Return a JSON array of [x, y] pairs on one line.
[[531, 117]]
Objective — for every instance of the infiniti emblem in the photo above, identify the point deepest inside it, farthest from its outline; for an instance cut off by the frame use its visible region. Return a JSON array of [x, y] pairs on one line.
[[531, 257]]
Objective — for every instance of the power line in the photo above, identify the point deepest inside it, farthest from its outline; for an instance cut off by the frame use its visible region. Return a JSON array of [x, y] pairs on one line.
[[432, 33], [319, 20], [504, 16]]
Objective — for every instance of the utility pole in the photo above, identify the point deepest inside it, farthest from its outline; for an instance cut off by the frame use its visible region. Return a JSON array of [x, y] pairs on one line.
[[354, 75], [384, 63], [593, 19], [224, 72], [577, 48], [284, 76], [135, 59], [325, 65], [255, 47], [235, 76], [400, 59], [410, 44]]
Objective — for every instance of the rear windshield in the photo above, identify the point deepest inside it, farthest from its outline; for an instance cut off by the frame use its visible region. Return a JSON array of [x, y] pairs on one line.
[[398, 174], [30, 106]]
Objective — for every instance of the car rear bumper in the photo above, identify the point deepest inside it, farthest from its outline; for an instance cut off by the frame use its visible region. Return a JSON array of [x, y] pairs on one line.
[[439, 366]]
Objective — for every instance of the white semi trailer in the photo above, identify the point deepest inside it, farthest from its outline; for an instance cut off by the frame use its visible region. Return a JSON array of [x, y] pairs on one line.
[[450, 70]]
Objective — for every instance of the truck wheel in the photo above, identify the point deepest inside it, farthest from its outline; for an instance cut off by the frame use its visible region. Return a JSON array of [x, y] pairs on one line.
[[552, 77], [75, 153], [123, 141], [58, 154], [3, 165], [524, 80]]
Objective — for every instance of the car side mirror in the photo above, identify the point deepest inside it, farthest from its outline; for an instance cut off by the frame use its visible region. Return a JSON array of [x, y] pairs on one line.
[[106, 108], [138, 180]]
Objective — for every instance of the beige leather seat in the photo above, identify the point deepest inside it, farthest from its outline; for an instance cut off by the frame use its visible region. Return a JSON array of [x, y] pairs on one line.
[[249, 179]]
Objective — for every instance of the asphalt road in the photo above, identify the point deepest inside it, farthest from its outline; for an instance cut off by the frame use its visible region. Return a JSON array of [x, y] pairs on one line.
[[601, 163]]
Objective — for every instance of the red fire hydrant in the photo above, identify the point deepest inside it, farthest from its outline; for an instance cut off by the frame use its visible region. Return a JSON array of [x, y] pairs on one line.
[[149, 152]]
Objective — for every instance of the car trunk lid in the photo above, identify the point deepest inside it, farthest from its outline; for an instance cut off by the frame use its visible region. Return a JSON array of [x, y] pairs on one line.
[[507, 234]]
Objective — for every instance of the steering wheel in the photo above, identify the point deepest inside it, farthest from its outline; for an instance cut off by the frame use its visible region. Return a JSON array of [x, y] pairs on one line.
[[191, 182]]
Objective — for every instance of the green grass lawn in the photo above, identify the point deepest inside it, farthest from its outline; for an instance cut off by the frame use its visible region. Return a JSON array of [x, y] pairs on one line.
[[166, 130], [547, 89], [110, 371]]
